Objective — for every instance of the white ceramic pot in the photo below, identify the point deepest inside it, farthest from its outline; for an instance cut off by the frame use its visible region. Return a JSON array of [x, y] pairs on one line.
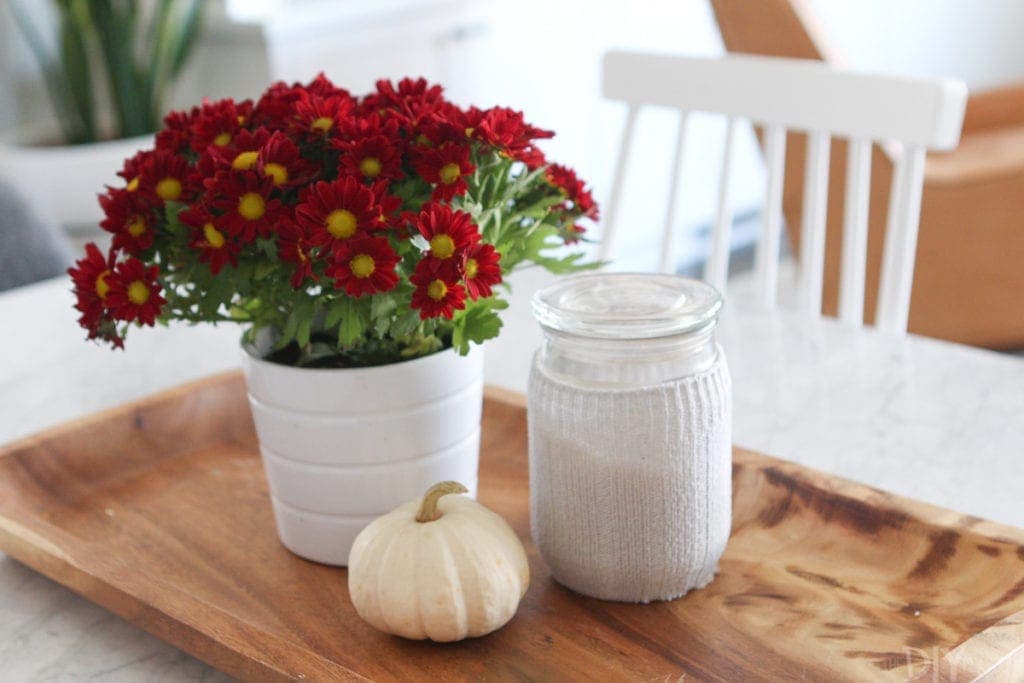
[[62, 181], [344, 446]]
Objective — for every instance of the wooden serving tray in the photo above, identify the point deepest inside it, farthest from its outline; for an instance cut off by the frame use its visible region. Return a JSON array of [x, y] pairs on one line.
[[158, 511]]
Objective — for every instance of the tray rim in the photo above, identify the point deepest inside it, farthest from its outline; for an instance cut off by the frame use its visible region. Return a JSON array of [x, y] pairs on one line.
[[1003, 641]]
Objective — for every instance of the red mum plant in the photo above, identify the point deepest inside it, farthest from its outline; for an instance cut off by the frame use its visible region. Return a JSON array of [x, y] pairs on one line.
[[356, 230]]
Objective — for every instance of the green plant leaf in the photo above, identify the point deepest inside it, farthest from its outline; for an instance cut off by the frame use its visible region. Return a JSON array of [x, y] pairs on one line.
[[353, 322], [74, 57], [476, 324], [335, 311], [405, 324], [115, 28], [172, 36], [302, 332]]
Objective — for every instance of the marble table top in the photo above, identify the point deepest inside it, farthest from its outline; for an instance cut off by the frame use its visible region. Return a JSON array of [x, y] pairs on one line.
[[928, 419]]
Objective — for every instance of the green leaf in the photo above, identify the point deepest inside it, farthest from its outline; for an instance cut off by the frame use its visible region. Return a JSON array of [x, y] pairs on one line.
[[263, 269], [74, 27], [476, 324], [289, 329], [405, 324], [353, 320], [382, 313], [171, 37], [335, 311], [302, 332], [115, 28], [299, 321]]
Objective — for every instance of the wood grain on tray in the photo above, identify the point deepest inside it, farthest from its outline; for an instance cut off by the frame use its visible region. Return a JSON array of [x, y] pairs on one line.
[[158, 511]]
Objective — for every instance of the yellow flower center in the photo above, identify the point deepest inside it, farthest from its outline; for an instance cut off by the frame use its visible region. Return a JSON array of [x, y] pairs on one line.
[[469, 131], [251, 206], [437, 290], [442, 246], [341, 223], [138, 292], [450, 173], [362, 265], [101, 284], [370, 167], [133, 184], [137, 226], [322, 124], [168, 189], [472, 268], [222, 139], [245, 161], [240, 119], [276, 171], [214, 237], [423, 140]]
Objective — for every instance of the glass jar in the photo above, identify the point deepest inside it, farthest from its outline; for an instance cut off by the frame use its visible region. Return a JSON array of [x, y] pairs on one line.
[[630, 435]]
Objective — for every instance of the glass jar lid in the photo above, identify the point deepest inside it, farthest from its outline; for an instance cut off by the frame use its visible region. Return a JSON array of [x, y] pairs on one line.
[[626, 305]]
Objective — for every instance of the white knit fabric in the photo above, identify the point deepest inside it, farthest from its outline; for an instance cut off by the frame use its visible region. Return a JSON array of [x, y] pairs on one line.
[[631, 490]]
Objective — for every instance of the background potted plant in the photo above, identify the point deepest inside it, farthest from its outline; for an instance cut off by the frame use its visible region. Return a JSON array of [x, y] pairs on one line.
[[107, 81], [364, 242]]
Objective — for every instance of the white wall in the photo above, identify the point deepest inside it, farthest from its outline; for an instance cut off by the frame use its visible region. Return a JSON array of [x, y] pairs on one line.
[[980, 41]]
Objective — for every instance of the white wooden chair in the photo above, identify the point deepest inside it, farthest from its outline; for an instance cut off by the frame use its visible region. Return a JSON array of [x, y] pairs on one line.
[[911, 115]]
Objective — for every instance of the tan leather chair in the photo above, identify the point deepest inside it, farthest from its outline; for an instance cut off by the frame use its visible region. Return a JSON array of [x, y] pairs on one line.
[[969, 277]]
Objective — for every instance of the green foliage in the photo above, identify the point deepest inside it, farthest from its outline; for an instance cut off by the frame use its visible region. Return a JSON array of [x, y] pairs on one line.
[[141, 57]]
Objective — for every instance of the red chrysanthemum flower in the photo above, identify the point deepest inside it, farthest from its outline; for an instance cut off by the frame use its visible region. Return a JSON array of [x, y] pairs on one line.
[[336, 211], [317, 117], [365, 265], [409, 103], [134, 293], [89, 276], [293, 246], [279, 160], [241, 154], [321, 86], [445, 167], [132, 169], [370, 125], [408, 92], [505, 129], [435, 296], [448, 233], [244, 200], [129, 219], [575, 191], [276, 108], [373, 158], [216, 123], [174, 136], [165, 177], [481, 270], [389, 205], [214, 247], [448, 123]]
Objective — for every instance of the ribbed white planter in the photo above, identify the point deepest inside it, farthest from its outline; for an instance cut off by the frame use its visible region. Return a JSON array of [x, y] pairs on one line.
[[344, 446]]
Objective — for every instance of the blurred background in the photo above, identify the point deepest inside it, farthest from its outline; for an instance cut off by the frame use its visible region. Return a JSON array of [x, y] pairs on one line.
[[541, 56]]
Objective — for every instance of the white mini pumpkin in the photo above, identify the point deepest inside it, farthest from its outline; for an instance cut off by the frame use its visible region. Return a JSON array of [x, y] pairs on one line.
[[443, 568]]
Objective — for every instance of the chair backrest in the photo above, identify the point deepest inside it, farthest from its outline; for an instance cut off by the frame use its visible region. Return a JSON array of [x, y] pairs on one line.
[[825, 102]]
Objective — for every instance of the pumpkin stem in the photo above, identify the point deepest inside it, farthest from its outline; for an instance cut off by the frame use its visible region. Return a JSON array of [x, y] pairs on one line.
[[428, 508]]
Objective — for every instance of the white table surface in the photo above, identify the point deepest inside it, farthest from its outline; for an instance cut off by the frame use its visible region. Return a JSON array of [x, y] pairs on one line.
[[928, 419]]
